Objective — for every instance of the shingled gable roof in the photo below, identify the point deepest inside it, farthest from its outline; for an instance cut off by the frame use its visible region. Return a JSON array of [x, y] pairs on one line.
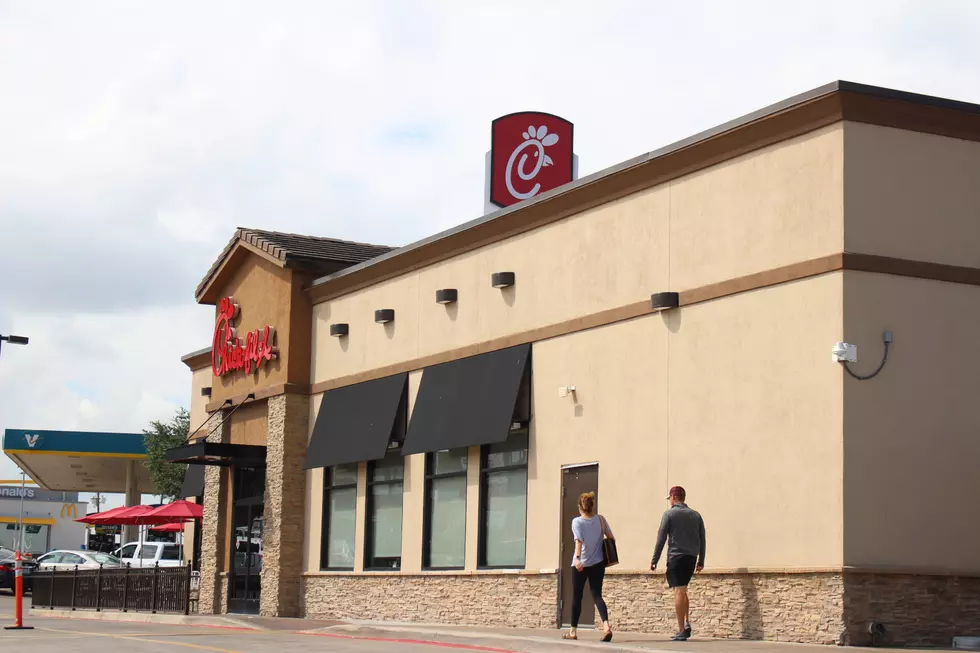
[[311, 253]]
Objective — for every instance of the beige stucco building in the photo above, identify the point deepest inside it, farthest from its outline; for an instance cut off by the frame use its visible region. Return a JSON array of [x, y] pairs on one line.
[[830, 502]]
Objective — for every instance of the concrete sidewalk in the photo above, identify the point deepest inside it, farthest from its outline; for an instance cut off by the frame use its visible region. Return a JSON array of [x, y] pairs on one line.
[[523, 640]]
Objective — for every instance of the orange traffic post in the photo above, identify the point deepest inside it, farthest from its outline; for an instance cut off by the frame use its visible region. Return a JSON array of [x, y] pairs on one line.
[[19, 598]]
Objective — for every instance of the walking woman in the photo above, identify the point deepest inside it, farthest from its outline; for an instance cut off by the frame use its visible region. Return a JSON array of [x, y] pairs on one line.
[[589, 563]]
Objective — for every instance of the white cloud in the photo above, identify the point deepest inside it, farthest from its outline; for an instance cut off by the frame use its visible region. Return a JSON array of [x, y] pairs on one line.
[[137, 136]]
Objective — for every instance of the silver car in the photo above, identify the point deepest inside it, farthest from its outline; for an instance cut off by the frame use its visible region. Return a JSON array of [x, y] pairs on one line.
[[55, 560]]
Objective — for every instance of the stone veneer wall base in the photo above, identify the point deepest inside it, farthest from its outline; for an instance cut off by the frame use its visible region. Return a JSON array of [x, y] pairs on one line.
[[916, 610], [806, 608], [518, 600], [813, 608]]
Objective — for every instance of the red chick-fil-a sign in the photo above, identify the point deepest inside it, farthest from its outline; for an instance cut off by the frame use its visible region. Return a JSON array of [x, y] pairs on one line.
[[531, 154], [229, 353]]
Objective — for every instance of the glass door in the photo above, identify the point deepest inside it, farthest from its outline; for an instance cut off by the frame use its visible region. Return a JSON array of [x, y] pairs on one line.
[[246, 545]]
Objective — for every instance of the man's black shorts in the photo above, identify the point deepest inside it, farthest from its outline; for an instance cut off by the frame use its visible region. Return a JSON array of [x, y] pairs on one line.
[[680, 570]]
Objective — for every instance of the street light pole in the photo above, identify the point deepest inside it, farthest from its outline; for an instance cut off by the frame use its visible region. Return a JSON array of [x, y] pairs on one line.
[[19, 554]]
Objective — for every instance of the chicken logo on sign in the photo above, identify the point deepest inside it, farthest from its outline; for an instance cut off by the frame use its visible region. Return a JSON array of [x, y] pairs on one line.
[[531, 154]]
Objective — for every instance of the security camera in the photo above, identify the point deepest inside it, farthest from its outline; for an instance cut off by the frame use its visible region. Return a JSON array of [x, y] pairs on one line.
[[844, 352]]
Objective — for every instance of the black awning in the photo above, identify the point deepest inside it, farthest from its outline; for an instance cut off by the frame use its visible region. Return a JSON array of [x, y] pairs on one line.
[[470, 401], [217, 453], [193, 485], [357, 422]]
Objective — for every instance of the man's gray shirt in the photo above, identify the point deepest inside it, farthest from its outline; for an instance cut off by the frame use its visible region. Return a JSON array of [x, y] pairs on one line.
[[686, 530]]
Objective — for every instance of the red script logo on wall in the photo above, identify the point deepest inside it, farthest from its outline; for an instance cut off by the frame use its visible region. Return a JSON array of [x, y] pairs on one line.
[[229, 353], [531, 154]]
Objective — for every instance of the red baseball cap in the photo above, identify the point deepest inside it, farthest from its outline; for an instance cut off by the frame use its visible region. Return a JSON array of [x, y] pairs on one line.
[[677, 491]]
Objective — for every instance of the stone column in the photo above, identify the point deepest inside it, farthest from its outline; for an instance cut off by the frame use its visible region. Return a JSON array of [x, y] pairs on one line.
[[285, 510], [214, 546]]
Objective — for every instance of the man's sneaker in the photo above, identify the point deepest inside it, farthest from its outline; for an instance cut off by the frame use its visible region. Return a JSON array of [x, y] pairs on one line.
[[680, 637], [687, 629]]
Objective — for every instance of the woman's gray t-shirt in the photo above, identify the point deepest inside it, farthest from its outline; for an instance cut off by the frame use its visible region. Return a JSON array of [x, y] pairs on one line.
[[589, 531]]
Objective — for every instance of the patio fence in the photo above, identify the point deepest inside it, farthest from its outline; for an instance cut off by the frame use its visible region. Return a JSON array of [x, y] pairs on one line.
[[152, 589]]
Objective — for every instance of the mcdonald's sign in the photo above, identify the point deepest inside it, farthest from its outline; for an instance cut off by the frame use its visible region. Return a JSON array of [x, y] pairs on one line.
[[69, 510]]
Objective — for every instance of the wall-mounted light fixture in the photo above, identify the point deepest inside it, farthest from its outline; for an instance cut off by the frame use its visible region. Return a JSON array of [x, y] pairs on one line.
[[384, 315], [664, 301], [339, 330], [502, 279], [446, 296], [565, 390]]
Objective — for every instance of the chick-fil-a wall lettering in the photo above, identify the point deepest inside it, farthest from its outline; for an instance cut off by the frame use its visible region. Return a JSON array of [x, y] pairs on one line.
[[229, 353]]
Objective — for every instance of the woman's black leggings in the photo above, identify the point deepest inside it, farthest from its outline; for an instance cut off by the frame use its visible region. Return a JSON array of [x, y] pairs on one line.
[[594, 575]]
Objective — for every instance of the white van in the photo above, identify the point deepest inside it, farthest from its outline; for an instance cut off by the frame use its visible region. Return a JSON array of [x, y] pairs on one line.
[[148, 554]]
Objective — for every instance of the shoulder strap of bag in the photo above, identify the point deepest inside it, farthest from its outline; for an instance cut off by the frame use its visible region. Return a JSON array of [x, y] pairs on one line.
[[605, 526]]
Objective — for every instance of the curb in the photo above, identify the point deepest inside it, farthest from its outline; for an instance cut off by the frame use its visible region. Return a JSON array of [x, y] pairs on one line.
[[143, 618]]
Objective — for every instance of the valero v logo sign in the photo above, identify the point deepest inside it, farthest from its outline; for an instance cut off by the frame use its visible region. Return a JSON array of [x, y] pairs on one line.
[[230, 353], [531, 154]]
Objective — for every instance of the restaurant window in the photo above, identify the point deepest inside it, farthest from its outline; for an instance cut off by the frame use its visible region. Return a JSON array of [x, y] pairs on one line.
[[503, 502], [383, 541], [339, 517], [445, 509]]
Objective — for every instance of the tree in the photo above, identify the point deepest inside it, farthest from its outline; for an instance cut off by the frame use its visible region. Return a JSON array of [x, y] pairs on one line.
[[167, 477]]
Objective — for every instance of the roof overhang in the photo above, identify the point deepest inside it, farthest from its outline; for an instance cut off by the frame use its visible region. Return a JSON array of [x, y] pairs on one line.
[[78, 461], [230, 259], [217, 453], [283, 250], [197, 359], [788, 119]]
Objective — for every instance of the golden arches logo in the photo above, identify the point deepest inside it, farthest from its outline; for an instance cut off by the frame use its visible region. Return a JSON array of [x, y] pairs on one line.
[[69, 510]]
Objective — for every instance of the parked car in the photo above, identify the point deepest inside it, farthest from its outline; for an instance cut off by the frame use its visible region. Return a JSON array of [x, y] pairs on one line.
[[58, 560], [148, 554], [8, 570]]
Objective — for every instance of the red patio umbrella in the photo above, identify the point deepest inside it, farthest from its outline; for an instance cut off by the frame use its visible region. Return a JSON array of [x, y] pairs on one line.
[[173, 527], [178, 511], [97, 517], [126, 517]]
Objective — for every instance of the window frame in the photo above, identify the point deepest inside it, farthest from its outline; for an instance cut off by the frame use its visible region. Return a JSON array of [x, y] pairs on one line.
[[485, 472], [369, 513], [431, 476], [328, 487]]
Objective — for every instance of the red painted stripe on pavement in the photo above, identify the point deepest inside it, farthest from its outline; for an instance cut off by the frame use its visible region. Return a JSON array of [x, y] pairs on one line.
[[423, 642]]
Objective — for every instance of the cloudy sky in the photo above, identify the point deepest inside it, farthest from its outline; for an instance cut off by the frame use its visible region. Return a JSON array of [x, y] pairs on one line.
[[135, 137]]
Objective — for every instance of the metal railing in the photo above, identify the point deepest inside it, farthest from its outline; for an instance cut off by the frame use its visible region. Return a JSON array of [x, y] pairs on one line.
[[152, 589]]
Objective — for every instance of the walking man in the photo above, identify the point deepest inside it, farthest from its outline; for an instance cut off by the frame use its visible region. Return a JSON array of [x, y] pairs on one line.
[[685, 528]]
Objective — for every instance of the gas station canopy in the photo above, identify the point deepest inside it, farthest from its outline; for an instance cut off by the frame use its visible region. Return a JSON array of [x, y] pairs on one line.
[[79, 461]]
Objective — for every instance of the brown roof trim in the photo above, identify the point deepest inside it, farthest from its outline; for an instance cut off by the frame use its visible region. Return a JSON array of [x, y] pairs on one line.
[[197, 359], [774, 277], [787, 119]]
